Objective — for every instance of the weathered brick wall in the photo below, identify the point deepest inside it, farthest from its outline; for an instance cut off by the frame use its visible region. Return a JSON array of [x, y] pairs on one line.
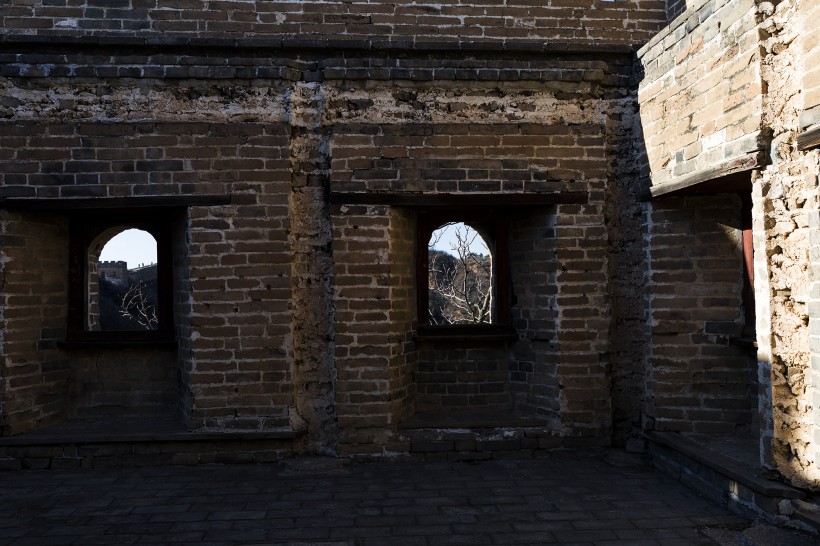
[[786, 203], [533, 362], [701, 95], [33, 283], [117, 382], [752, 64], [375, 306], [362, 266], [233, 273], [98, 159], [810, 55], [696, 380], [583, 310], [403, 320], [562, 21], [628, 332], [278, 322], [450, 157]]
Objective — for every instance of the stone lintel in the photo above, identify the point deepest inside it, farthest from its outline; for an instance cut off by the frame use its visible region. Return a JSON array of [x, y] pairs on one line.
[[33, 203], [809, 139], [285, 43], [730, 176], [427, 200]]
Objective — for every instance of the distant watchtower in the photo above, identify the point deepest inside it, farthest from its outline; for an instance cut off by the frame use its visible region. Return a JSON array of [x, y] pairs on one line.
[[114, 270]]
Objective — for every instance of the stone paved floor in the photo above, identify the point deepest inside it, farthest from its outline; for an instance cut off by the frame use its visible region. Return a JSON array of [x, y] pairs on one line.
[[568, 498]]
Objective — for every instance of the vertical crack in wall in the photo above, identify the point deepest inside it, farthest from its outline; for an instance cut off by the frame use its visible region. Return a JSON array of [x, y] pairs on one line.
[[314, 372]]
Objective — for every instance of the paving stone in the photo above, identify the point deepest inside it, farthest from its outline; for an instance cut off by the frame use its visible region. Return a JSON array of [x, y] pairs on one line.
[[570, 500]]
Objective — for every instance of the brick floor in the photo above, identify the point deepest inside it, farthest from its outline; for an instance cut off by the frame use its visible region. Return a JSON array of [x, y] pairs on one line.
[[566, 498]]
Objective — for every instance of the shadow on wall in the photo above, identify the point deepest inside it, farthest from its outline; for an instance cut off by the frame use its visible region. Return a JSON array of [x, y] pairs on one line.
[[674, 8]]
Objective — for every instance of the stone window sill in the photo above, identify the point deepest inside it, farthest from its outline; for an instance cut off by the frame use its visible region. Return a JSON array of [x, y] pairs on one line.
[[471, 333], [103, 343]]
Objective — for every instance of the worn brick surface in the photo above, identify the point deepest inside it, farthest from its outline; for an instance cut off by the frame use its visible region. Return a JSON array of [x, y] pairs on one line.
[[701, 96], [450, 22], [569, 497]]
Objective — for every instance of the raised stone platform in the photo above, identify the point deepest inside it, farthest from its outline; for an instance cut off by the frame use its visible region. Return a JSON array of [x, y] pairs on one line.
[[725, 468]]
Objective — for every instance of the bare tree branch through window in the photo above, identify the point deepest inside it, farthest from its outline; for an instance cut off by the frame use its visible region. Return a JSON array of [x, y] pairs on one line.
[[459, 281]]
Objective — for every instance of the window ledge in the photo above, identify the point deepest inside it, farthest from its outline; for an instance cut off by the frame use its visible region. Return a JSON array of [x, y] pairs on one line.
[[117, 344], [473, 333]]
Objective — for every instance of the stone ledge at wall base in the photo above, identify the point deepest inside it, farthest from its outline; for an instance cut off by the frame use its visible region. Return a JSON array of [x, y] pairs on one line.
[[39, 453], [464, 444], [742, 488]]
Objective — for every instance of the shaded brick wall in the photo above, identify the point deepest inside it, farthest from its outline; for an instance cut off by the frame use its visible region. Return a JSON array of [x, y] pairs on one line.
[[451, 157], [583, 311], [137, 159], [279, 324], [701, 95], [368, 341], [674, 8], [116, 382], [33, 284], [462, 377], [696, 380], [403, 320], [626, 22], [232, 262], [534, 357]]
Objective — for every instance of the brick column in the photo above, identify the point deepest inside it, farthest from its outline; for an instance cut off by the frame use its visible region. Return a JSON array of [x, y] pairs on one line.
[[314, 372]]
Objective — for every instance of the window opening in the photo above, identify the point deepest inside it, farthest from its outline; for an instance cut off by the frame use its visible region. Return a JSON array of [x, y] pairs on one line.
[[460, 276], [120, 276], [126, 283]]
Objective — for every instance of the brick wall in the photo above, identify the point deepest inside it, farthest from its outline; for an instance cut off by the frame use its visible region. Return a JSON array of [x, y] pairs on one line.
[[626, 22], [533, 359], [701, 94], [450, 158], [674, 8], [627, 275], [240, 269], [583, 313], [232, 263], [368, 338], [35, 374], [116, 382], [403, 320], [696, 380], [290, 311]]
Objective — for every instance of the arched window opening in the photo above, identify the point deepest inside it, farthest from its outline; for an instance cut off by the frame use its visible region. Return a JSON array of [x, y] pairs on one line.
[[123, 283], [460, 276]]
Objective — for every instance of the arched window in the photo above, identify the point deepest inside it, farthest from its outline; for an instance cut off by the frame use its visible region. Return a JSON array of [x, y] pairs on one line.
[[120, 277], [123, 293], [462, 273], [460, 276]]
